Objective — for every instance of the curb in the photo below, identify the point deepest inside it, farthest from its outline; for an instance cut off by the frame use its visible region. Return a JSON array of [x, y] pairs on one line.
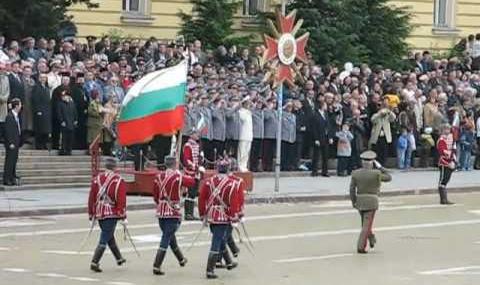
[[285, 198]]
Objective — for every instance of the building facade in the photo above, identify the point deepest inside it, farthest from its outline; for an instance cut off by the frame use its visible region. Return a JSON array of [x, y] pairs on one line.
[[146, 18], [438, 24]]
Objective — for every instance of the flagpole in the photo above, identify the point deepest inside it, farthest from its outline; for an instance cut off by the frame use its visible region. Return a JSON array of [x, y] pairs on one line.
[[279, 125], [279, 137]]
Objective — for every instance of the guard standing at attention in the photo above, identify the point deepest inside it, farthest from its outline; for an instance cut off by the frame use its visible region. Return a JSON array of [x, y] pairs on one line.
[[364, 190], [107, 203], [167, 191], [220, 204], [191, 167], [446, 162]]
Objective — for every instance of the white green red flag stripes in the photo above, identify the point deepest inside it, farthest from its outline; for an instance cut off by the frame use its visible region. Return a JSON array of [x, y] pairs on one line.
[[153, 106]]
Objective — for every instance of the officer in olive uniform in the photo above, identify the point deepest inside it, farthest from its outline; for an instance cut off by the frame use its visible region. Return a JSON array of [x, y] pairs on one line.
[[364, 190]]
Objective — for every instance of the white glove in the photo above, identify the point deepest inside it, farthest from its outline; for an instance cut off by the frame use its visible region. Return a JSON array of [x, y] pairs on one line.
[[124, 222], [201, 169], [12, 146], [235, 225], [202, 154], [377, 164], [317, 143], [64, 124]]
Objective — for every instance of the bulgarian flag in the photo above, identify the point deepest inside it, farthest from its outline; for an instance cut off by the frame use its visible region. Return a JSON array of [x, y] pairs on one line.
[[153, 106]]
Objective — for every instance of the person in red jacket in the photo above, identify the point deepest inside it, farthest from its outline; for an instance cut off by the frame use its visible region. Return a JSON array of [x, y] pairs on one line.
[[192, 167], [168, 189], [220, 204], [107, 204], [446, 162]]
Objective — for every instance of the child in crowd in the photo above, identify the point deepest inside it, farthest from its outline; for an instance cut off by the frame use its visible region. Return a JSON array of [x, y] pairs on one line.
[[402, 148], [344, 151], [412, 147]]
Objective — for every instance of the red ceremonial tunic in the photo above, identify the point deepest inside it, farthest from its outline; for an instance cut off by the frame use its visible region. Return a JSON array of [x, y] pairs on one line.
[[167, 190], [221, 199], [108, 196], [446, 150], [191, 154]]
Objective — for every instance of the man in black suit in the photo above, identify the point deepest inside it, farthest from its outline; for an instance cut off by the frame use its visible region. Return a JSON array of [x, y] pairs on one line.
[[12, 143], [68, 118], [17, 89], [321, 138]]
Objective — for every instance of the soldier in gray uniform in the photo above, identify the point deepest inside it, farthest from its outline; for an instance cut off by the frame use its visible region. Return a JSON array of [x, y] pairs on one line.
[[206, 134], [289, 133], [258, 130], [364, 191], [190, 120], [270, 134], [233, 127], [219, 126]]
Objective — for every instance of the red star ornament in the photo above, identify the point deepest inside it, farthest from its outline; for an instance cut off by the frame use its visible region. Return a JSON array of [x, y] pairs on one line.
[[285, 47]]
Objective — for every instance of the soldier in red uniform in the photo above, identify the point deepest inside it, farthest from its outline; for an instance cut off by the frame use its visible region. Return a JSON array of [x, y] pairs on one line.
[[220, 204], [446, 162], [167, 192], [229, 239], [192, 168], [107, 204]]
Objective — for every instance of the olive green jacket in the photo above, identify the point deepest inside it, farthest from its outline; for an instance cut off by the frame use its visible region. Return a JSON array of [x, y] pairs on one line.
[[365, 187]]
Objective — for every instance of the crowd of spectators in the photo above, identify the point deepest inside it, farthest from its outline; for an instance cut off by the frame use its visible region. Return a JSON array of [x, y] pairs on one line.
[[71, 91]]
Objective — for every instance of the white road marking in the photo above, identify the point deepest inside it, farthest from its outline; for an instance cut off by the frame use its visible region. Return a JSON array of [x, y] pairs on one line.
[[16, 270], [310, 258], [476, 212], [51, 275], [299, 235], [453, 271], [348, 204], [14, 223], [340, 212], [252, 218], [84, 279], [5, 249], [119, 283]]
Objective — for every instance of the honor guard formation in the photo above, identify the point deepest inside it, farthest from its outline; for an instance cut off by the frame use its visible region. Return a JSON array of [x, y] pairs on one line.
[[221, 204]]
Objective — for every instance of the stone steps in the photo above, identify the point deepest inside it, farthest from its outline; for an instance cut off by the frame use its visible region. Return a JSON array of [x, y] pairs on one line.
[[59, 186]]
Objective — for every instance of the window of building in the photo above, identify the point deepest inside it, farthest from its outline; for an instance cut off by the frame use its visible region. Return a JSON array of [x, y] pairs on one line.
[[139, 7], [252, 7], [444, 14]]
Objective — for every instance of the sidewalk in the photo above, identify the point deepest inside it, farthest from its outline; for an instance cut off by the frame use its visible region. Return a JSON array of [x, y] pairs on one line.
[[301, 188]]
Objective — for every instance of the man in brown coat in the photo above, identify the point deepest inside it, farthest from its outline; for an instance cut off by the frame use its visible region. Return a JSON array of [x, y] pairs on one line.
[[364, 190]]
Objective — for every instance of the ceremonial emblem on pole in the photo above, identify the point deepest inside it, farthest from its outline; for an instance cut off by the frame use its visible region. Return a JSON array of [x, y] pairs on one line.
[[283, 48]]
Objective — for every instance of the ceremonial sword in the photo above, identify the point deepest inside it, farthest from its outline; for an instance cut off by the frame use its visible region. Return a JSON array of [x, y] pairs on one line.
[[127, 234]]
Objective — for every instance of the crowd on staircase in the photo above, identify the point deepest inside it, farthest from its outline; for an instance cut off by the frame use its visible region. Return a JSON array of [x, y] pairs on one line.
[[71, 91]]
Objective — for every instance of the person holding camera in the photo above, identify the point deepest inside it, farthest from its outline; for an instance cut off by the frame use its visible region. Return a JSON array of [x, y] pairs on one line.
[[381, 135]]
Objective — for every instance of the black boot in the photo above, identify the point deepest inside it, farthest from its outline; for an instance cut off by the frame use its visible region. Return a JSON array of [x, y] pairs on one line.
[[372, 240], [219, 264], [179, 255], [189, 210], [443, 197], [233, 247], [212, 259], [116, 253], [157, 264], [97, 255], [228, 260]]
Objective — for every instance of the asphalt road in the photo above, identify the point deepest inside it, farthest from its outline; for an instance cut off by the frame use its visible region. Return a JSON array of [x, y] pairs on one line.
[[419, 242]]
